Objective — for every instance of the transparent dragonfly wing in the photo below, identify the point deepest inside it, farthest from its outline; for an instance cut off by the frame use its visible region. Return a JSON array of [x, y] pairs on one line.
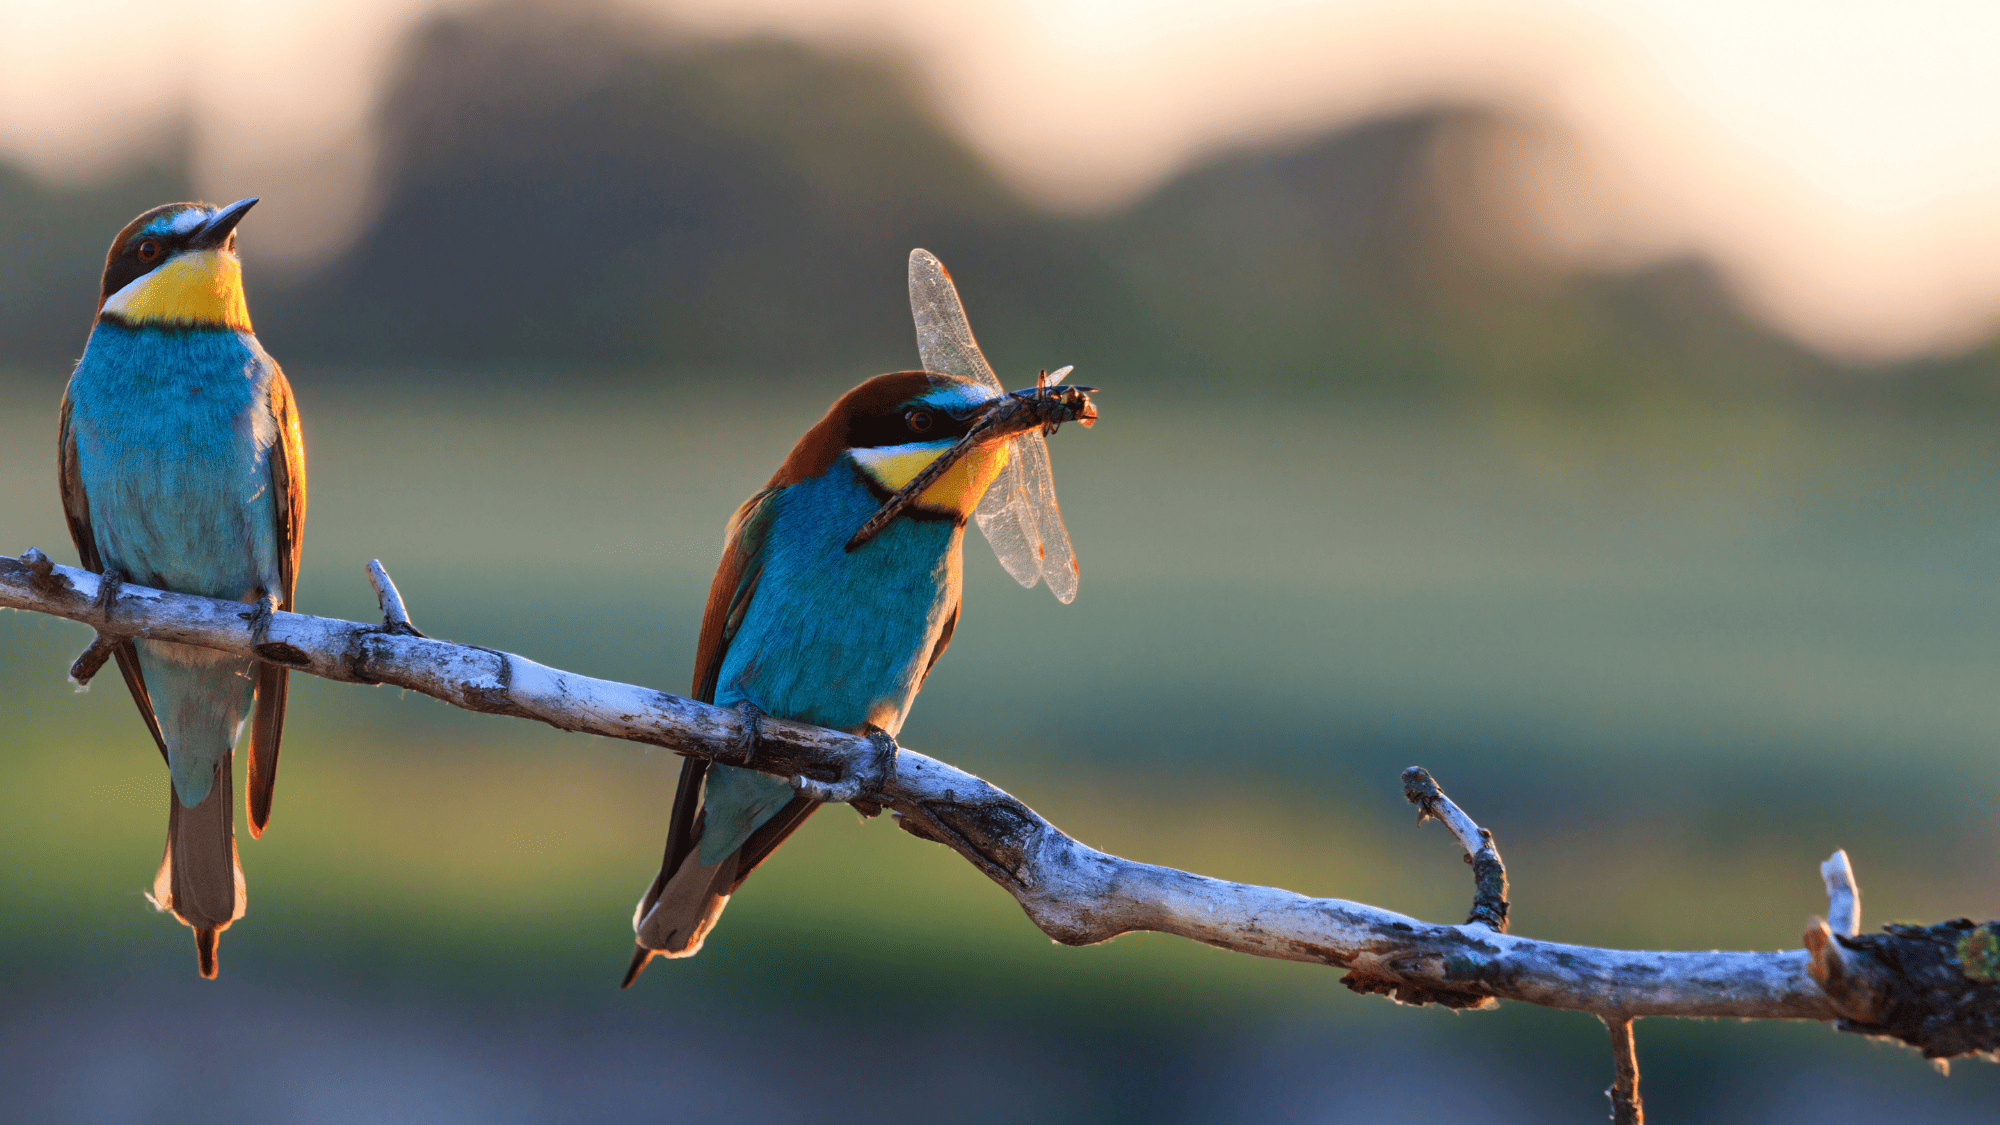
[[1018, 515], [1020, 518], [944, 338]]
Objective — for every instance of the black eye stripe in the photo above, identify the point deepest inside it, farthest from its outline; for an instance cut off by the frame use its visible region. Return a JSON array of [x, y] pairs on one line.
[[127, 268], [893, 427]]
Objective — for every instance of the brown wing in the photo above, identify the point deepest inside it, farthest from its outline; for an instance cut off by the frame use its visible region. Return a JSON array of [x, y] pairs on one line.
[[76, 509], [943, 641], [728, 597], [729, 594], [287, 461]]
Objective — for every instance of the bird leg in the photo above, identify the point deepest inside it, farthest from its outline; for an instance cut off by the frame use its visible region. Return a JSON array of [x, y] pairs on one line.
[[87, 664], [260, 615], [860, 785], [109, 584], [753, 729]]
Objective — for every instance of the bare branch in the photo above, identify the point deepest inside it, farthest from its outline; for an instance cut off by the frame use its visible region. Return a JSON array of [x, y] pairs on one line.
[[1489, 875], [1851, 981], [1074, 893], [91, 661], [1626, 1108]]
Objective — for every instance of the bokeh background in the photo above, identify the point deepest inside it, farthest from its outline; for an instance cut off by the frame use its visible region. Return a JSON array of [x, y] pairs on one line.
[[1595, 403]]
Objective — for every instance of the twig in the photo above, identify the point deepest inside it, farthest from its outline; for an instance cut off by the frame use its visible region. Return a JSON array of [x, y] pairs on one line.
[[1626, 1108], [1843, 897], [395, 618], [1851, 978], [1489, 875], [1075, 894], [41, 570], [91, 660]]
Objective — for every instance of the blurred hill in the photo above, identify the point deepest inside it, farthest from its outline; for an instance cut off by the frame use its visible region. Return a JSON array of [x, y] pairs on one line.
[[53, 241], [648, 201], [577, 193]]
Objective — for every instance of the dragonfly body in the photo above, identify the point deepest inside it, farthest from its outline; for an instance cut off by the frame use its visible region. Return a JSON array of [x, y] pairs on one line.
[[811, 620], [181, 469]]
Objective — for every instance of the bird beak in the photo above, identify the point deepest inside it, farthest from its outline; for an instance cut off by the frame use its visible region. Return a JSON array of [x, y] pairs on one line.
[[216, 230], [1043, 407]]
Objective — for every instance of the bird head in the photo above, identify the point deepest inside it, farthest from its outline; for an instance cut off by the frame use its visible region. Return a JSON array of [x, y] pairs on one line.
[[893, 426], [175, 267]]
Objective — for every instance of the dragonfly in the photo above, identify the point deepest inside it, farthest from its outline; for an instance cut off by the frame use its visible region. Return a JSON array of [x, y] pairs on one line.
[[1018, 515]]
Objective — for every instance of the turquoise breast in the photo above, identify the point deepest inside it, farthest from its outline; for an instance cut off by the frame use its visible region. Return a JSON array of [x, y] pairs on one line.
[[831, 638], [173, 433], [839, 639]]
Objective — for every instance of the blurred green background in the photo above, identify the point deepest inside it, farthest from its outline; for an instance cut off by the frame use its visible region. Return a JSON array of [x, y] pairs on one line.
[[1673, 605]]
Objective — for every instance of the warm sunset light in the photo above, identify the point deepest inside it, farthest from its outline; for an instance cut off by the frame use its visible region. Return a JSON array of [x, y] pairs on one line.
[[1839, 161], [1456, 571]]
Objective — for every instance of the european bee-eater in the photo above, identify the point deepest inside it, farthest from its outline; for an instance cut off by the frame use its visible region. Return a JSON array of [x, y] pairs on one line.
[[182, 469], [821, 614]]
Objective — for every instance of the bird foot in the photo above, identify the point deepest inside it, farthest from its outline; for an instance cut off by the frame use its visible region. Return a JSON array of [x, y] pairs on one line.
[[753, 729], [109, 583], [859, 786], [260, 615]]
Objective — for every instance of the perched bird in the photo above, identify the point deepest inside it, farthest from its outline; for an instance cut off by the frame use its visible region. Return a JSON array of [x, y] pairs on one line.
[[810, 621], [182, 469]]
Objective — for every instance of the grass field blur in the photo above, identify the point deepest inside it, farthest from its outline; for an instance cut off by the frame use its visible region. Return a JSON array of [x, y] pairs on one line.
[[1672, 656]]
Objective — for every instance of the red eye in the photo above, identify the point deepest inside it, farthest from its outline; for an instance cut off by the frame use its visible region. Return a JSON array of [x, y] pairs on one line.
[[149, 251], [919, 421]]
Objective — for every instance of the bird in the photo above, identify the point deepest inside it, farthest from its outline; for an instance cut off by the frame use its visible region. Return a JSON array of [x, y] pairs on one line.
[[182, 468], [810, 621]]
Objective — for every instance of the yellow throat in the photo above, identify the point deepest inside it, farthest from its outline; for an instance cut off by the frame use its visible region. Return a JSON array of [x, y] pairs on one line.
[[958, 490], [196, 289]]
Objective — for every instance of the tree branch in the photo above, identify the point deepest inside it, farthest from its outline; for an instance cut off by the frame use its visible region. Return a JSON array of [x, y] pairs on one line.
[[1626, 1108], [1489, 875], [1074, 893]]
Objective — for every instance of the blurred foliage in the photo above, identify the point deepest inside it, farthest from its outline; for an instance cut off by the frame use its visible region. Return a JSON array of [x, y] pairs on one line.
[[652, 201]]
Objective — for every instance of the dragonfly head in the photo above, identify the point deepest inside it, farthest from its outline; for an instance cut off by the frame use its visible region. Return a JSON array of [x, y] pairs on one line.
[[1045, 406]]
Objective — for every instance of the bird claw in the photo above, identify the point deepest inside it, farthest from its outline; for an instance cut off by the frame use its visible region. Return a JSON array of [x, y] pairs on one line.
[[260, 615], [753, 729], [109, 583], [859, 787]]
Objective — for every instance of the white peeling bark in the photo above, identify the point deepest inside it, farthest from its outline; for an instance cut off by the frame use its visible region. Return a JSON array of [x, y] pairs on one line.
[[1843, 896], [1076, 894]]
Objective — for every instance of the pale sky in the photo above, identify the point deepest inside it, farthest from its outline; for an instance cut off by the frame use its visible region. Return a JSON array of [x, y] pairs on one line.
[[1839, 160]]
